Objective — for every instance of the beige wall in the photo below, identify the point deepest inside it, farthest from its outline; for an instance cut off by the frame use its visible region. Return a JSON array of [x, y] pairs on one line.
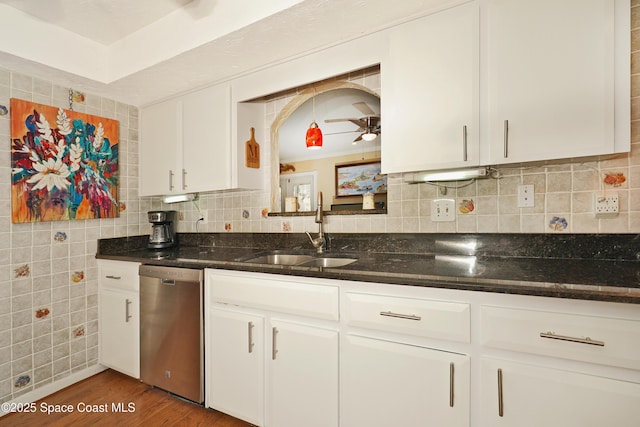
[[326, 175]]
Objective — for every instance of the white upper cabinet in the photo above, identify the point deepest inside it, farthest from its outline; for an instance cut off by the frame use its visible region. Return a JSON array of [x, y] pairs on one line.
[[160, 157], [549, 79], [494, 82], [430, 93], [186, 146], [206, 148]]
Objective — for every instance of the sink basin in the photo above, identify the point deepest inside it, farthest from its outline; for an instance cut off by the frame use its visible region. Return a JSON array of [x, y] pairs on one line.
[[301, 260], [280, 259], [327, 262]]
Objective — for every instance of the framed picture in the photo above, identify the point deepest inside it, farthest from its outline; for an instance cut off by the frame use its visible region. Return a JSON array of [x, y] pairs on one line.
[[64, 164], [358, 178]]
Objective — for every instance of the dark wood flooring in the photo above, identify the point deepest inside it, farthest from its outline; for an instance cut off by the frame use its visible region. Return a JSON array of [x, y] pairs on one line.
[[151, 406]]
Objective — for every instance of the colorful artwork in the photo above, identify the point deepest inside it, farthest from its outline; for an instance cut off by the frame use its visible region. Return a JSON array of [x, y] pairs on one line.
[[356, 179], [62, 171]]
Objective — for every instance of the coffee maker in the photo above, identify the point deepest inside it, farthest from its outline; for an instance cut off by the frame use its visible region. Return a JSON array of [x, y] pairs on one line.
[[162, 229]]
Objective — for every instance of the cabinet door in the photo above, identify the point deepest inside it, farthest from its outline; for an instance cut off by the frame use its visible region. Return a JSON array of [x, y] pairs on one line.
[[391, 384], [160, 156], [549, 79], [430, 103], [120, 331], [206, 134], [303, 376], [235, 364], [532, 396]]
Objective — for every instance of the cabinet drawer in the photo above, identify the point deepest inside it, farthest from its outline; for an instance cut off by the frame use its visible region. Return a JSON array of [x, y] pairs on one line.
[[118, 275], [267, 293], [602, 340], [427, 318]]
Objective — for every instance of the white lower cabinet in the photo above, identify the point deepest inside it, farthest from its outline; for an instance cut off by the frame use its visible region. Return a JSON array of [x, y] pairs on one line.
[[119, 316], [293, 351], [264, 362], [302, 376], [387, 383], [235, 374], [521, 395]]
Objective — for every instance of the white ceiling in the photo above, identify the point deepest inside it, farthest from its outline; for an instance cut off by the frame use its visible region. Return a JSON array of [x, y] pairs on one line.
[[104, 21], [140, 51]]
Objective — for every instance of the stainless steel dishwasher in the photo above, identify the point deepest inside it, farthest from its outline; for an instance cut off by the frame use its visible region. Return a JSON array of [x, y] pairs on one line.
[[171, 330]]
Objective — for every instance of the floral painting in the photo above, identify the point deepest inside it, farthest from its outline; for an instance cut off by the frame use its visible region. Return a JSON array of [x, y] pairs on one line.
[[64, 164], [353, 179]]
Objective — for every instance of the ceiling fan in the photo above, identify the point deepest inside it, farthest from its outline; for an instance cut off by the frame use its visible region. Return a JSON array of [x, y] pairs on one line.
[[369, 125]]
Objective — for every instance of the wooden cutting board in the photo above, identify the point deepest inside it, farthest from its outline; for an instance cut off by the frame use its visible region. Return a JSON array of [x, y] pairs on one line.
[[252, 152]]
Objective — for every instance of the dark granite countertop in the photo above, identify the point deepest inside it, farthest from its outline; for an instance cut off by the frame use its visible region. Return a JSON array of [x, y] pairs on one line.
[[594, 267]]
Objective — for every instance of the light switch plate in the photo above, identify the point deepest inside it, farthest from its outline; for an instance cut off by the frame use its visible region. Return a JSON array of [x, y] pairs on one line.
[[443, 210], [526, 197]]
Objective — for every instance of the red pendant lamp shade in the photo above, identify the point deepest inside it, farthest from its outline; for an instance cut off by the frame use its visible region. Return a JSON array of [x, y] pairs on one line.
[[314, 136]]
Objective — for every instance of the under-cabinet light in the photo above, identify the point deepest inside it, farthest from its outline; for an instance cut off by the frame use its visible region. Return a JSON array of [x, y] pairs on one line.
[[180, 198], [449, 175]]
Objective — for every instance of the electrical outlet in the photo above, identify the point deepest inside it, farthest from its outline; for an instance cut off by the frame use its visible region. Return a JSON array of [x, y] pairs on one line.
[[526, 197], [443, 210], [606, 206]]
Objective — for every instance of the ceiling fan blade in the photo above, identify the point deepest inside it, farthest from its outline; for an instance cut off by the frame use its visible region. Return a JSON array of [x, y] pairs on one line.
[[357, 122], [364, 108], [359, 138], [338, 133]]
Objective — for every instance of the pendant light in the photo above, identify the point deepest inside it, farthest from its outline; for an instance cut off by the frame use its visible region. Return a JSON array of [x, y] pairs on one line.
[[314, 134]]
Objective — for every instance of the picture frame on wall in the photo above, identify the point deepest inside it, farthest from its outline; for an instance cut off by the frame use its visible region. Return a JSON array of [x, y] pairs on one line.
[[64, 164], [358, 178]]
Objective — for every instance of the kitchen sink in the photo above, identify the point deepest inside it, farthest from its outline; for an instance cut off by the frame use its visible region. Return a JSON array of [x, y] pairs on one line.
[[280, 259], [327, 262], [301, 260]]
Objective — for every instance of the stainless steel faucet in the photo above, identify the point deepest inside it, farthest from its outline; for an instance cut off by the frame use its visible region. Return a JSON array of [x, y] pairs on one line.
[[319, 241]]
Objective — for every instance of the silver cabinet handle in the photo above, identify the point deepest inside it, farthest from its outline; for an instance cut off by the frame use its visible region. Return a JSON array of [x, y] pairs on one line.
[[250, 334], [451, 381], [184, 179], [585, 340], [400, 315], [500, 402], [170, 180], [506, 139], [127, 315], [274, 350], [113, 277], [464, 143]]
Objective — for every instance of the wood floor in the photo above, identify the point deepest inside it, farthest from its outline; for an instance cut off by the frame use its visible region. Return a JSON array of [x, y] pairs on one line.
[[151, 407]]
